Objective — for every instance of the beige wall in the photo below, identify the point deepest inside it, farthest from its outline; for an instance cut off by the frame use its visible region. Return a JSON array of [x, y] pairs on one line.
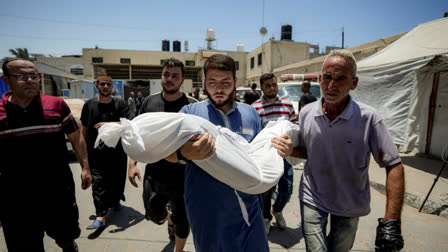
[[239, 57], [275, 54], [63, 63], [137, 57]]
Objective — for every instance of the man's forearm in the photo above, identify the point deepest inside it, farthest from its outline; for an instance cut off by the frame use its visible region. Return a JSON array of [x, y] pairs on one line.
[[394, 191]]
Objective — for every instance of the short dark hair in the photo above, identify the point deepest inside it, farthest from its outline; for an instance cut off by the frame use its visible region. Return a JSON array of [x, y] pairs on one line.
[[220, 62], [266, 76], [5, 68], [253, 86], [173, 62], [306, 83]]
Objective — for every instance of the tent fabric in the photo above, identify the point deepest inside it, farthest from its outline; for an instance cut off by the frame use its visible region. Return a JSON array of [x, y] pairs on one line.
[[425, 39], [398, 82]]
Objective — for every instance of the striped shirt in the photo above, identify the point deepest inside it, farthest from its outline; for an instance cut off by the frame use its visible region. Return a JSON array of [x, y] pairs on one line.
[[281, 109], [45, 114]]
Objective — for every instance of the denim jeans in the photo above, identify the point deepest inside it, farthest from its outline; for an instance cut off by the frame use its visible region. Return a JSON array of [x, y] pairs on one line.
[[314, 224], [284, 192]]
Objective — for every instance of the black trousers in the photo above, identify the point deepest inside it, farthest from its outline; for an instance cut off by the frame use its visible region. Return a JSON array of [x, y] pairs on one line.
[[26, 214]]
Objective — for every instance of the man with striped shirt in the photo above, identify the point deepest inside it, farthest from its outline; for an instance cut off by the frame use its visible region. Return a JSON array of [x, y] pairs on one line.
[[37, 191], [271, 107]]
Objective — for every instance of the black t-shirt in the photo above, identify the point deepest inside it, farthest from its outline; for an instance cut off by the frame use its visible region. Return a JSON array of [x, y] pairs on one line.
[[164, 171], [250, 97], [306, 98], [94, 112]]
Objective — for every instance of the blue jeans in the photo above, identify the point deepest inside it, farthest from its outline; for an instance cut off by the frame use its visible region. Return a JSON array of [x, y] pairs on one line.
[[314, 223], [284, 192]]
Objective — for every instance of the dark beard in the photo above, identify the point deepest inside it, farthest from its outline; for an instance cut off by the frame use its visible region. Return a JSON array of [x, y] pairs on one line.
[[271, 96], [105, 94], [170, 91], [228, 101]]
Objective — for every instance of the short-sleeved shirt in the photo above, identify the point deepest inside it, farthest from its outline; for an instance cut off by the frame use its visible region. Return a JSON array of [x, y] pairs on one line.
[[336, 178], [306, 98], [211, 204], [131, 102], [94, 112], [250, 97], [33, 145], [281, 109], [164, 171]]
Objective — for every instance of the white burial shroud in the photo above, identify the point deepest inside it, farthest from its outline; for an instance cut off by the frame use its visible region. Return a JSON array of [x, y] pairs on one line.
[[247, 167]]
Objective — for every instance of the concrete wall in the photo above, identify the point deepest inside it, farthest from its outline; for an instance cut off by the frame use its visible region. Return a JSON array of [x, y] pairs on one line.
[[275, 54], [137, 57]]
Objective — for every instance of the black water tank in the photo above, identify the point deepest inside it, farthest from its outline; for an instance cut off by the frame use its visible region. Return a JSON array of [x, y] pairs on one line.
[[286, 32], [166, 45], [176, 46]]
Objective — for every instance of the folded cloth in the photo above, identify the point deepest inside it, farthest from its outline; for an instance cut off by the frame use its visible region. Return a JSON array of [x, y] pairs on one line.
[[248, 167]]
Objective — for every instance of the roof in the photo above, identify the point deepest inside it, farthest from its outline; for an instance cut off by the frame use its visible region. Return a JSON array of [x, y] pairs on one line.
[[51, 70]]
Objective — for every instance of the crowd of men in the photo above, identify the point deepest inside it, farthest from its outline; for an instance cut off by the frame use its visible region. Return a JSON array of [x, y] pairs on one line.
[[337, 137]]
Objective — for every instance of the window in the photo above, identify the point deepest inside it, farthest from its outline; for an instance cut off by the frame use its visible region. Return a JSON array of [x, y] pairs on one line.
[[77, 71], [190, 63], [237, 65], [125, 61], [260, 59], [252, 62], [97, 59]]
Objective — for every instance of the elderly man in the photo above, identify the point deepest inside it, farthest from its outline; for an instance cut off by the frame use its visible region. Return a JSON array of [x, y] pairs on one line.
[[37, 191], [338, 135]]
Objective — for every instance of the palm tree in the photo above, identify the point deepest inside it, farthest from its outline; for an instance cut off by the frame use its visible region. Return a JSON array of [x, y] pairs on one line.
[[21, 53]]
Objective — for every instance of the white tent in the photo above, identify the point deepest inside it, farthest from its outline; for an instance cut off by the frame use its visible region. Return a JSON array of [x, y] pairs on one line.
[[407, 82]]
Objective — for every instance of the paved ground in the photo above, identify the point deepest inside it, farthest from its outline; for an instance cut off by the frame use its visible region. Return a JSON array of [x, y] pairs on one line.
[[128, 230]]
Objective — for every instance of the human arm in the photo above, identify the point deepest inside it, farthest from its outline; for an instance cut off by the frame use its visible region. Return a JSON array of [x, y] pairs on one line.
[[133, 172], [197, 148], [79, 147], [283, 144], [394, 191]]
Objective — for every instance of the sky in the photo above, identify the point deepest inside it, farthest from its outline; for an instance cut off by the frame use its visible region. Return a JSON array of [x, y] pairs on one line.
[[62, 27]]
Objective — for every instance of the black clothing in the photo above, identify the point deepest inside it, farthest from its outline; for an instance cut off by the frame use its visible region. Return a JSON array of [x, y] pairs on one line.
[[138, 104], [164, 171], [306, 98], [250, 97], [37, 191], [108, 166], [163, 180]]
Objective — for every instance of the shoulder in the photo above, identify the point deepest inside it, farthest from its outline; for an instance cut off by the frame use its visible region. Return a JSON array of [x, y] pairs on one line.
[[193, 107], [284, 101], [52, 102], [191, 99], [366, 111]]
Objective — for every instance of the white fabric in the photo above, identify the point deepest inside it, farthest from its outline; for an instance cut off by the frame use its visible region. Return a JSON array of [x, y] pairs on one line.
[[251, 168], [398, 81]]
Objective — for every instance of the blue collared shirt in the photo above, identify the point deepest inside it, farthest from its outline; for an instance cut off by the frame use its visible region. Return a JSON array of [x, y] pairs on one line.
[[214, 209]]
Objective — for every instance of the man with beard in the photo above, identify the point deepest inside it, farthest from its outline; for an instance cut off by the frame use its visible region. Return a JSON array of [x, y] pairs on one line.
[[271, 107], [107, 165], [222, 218], [164, 180], [37, 191]]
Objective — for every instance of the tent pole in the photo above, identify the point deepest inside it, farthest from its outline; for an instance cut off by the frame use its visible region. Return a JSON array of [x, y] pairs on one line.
[[432, 108]]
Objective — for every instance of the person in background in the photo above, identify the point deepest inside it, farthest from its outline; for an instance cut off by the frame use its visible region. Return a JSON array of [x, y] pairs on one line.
[[37, 191], [337, 136], [164, 180], [252, 95], [131, 104], [197, 95], [307, 97], [138, 102], [107, 165], [271, 107], [222, 218]]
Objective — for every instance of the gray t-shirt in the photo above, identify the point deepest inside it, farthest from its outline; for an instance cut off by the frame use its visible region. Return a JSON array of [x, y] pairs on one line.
[[336, 178], [131, 102]]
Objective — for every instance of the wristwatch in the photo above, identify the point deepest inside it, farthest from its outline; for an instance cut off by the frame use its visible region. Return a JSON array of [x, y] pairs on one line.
[[181, 159]]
